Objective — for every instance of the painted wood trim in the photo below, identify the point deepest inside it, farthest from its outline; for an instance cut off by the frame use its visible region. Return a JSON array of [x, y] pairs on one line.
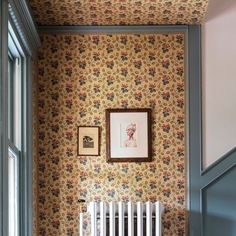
[[220, 162], [20, 14], [13, 33], [219, 176], [226, 163], [199, 179], [3, 118], [114, 29], [25, 165], [204, 188], [29, 154], [195, 146]]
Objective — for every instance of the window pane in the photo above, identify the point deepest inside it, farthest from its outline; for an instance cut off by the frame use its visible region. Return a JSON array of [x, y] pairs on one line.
[[15, 99], [10, 99], [17, 102], [13, 193]]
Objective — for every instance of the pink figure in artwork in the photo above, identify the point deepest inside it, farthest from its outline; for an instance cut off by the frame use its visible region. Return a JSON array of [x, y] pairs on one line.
[[131, 140]]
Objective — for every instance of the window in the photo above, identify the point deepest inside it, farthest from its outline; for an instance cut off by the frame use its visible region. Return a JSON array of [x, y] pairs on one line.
[[18, 46], [13, 188], [16, 108]]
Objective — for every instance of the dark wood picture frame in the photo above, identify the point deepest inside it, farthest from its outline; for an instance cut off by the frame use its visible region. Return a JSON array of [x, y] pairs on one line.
[[118, 122], [89, 140]]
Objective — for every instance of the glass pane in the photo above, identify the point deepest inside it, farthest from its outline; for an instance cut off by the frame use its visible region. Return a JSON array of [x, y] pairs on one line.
[[15, 107], [13, 193], [10, 99]]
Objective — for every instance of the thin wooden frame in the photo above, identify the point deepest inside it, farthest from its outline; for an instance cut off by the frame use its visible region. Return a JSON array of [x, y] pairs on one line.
[[93, 148], [120, 120]]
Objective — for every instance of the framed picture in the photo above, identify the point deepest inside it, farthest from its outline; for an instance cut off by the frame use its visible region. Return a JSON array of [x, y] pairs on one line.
[[128, 135], [88, 141]]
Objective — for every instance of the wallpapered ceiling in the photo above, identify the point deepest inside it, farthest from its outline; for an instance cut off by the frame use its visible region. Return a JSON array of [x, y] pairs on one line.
[[118, 12], [79, 77]]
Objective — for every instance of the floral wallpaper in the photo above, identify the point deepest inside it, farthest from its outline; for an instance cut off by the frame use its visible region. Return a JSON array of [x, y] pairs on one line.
[[35, 146], [118, 12], [79, 77]]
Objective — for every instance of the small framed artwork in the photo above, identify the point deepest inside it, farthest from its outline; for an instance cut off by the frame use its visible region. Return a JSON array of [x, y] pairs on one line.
[[128, 135], [88, 141]]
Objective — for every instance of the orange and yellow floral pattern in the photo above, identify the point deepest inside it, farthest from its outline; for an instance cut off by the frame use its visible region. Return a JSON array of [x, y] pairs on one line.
[[79, 77], [118, 12]]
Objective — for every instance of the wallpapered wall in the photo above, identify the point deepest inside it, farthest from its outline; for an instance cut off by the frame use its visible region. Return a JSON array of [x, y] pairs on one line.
[[79, 77]]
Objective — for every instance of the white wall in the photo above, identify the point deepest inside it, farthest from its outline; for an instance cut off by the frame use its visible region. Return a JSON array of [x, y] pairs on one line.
[[219, 80]]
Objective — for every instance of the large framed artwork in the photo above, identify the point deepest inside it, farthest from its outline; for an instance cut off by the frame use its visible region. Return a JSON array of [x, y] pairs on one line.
[[128, 135], [88, 141]]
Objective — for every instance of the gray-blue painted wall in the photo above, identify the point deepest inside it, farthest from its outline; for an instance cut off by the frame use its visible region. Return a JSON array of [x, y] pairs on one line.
[[212, 193], [219, 205]]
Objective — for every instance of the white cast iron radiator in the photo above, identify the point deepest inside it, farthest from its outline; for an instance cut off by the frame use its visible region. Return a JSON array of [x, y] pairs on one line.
[[124, 219]]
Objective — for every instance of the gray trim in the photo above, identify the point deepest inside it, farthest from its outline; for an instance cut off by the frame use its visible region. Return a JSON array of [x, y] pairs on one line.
[[220, 161], [203, 191], [29, 137], [13, 148], [220, 168], [21, 16], [21, 49], [25, 163], [219, 176], [194, 130], [3, 118], [199, 178], [113, 29], [26, 157]]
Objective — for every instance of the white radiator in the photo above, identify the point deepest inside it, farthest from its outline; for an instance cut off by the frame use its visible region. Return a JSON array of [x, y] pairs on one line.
[[124, 219]]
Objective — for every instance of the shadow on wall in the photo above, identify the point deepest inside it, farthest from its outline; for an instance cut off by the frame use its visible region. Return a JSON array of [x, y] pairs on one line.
[[218, 226], [218, 7], [215, 225]]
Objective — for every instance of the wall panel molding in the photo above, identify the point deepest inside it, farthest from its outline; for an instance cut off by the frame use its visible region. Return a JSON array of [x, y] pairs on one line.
[[201, 180], [218, 204], [195, 182], [113, 29], [225, 160]]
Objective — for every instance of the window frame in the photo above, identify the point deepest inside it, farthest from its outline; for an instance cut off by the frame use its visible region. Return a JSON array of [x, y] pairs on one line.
[[22, 139], [18, 14], [16, 106], [3, 118]]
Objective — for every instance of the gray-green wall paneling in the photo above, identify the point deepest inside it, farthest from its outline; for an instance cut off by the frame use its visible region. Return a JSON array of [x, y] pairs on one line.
[[212, 192]]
